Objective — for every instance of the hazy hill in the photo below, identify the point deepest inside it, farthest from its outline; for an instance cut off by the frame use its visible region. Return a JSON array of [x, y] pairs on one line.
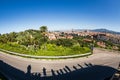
[[105, 31]]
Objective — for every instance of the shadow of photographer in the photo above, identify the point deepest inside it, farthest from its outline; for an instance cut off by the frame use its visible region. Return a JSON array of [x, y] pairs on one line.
[[78, 72]]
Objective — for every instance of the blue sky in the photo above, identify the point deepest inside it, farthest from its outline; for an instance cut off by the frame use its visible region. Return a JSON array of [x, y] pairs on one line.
[[19, 15]]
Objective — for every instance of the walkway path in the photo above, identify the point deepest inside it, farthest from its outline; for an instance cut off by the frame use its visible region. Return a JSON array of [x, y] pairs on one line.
[[100, 57]]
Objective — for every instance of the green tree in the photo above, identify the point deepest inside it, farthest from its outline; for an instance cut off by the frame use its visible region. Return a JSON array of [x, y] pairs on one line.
[[23, 38], [43, 31], [4, 38], [63, 42], [12, 37]]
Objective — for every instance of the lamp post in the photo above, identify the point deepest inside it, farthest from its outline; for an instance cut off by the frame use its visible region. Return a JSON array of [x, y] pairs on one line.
[[92, 45]]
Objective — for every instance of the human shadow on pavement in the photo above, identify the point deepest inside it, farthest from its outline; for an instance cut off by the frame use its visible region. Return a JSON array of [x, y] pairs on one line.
[[44, 71], [76, 72]]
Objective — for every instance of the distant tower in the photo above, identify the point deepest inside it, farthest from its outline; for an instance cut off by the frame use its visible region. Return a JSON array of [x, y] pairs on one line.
[[72, 30], [87, 31]]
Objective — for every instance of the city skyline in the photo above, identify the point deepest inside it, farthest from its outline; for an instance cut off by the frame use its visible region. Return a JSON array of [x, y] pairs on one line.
[[21, 15]]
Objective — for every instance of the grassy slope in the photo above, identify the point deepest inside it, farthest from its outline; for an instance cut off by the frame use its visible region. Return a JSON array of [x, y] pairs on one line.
[[51, 50]]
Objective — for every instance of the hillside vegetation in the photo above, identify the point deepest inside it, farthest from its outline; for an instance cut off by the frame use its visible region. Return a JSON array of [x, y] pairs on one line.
[[35, 42]]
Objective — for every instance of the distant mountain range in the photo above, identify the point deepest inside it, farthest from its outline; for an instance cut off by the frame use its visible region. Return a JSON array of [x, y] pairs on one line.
[[105, 31], [94, 30]]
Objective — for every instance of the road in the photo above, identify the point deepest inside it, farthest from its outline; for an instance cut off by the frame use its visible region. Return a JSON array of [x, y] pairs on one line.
[[44, 68]]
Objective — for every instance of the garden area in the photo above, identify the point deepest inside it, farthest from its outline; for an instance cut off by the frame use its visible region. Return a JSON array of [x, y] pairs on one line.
[[51, 50]]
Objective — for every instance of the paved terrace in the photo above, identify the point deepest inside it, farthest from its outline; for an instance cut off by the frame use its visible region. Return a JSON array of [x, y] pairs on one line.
[[102, 64]]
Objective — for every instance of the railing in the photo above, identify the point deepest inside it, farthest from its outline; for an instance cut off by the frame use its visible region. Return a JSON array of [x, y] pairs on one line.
[[116, 76]]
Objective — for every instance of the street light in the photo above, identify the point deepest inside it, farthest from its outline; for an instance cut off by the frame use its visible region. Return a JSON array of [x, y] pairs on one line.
[[92, 45]]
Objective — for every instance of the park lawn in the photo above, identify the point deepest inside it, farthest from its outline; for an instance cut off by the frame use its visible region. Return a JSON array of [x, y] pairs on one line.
[[50, 50]]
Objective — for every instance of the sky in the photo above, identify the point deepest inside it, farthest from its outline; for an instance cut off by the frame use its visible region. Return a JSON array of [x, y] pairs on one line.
[[19, 15]]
